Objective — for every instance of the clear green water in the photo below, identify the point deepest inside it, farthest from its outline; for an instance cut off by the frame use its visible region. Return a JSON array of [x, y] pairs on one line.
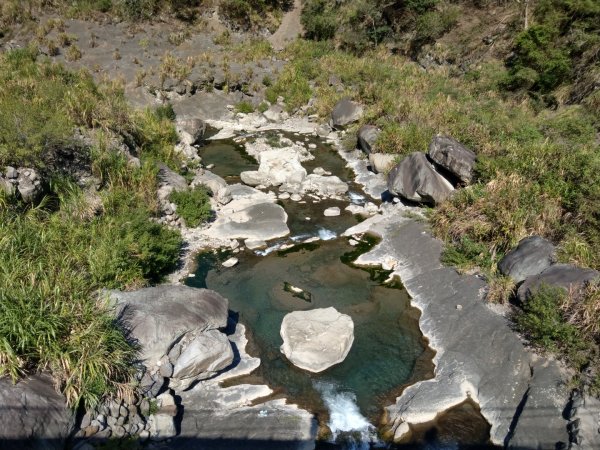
[[388, 349], [387, 339], [229, 159]]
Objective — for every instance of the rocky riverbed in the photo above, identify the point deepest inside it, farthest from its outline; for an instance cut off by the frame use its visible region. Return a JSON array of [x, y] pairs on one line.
[[194, 350]]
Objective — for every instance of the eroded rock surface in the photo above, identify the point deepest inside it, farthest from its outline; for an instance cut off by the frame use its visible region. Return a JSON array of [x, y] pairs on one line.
[[317, 339], [159, 316], [33, 415], [453, 156], [478, 355], [415, 179]]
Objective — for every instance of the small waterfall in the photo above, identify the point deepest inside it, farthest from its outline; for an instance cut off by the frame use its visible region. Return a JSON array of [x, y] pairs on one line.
[[349, 427], [326, 235], [356, 198]]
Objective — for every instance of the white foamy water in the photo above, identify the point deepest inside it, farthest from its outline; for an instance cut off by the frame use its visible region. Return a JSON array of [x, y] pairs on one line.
[[326, 235], [348, 426], [356, 198], [268, 250], [300, 237]]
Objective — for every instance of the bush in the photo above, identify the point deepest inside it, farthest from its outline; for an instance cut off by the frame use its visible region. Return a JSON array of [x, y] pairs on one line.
[[542, 321], [244, 107], [59, 254], [193, 206]]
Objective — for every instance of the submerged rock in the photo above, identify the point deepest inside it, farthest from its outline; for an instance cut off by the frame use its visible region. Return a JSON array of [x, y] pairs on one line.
[[532, 256], [317, 339], [415, 179], [452, 156]]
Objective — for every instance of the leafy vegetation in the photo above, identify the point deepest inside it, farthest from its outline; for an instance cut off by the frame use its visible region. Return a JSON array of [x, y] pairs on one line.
[[60, 253], [193, 206], [561, 44], [565, 322]]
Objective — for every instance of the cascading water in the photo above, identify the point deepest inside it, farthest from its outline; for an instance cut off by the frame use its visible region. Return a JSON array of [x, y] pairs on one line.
[[326, 235], [348, 426]]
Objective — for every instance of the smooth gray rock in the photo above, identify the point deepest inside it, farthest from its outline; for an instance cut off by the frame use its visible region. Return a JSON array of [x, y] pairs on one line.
[[262, 221], [33, 415], [532, 256], [190, 130], [453, 157], [382, 162], [159, 316], [546, 397], [367, 136], [210, 180], [478, 355], [346, 112], [169, 177], [317, 339], [565, 276], [202, 356], [415, 179]]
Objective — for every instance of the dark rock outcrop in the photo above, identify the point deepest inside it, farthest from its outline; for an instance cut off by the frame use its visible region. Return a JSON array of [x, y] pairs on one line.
[[532, 256], [453, 157], [415, 179], [565, 276], [367, 136], [345, 112], [33, 415]]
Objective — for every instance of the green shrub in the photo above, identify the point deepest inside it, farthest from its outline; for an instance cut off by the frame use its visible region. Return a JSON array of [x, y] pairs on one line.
[[193, 206], [244, 107], [434, 24], [60, 253], [542, 321]]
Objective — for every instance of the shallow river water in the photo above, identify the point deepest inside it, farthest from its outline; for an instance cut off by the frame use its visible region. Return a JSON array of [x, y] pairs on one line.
[[388, 350]]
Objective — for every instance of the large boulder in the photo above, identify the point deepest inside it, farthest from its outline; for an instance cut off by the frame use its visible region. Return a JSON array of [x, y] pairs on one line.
[[327, 186], [216, 185], [261, 221], [317, 339], [158, 317], [415, 179], [452, 156], [190, 130], [532, 256], [346, 112], [367, 136], [565, 276], [34, 415], [277, 166], [201, 356], [382, 162]]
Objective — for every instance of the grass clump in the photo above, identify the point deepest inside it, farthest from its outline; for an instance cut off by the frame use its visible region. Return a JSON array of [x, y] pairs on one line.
[[193, 206], [60, 253], [567, 323], [244, 107]]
